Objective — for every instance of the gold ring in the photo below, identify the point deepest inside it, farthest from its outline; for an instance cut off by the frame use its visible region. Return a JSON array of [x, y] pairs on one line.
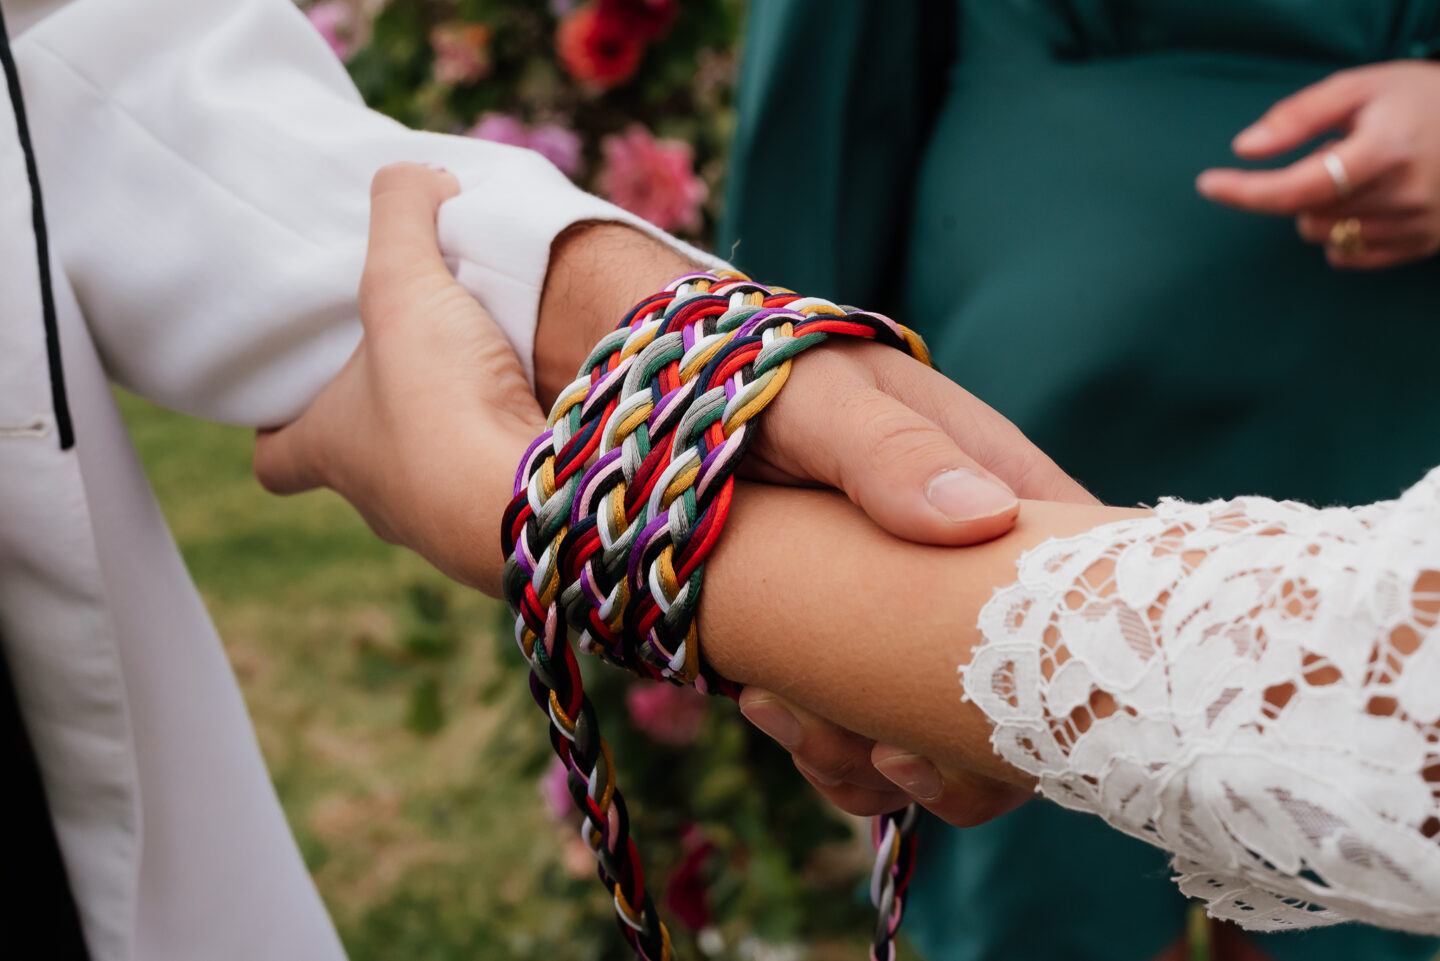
[[1345, 237]]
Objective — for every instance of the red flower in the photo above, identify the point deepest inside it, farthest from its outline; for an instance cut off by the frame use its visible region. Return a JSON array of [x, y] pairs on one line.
[[598, 48], [649, 18], [686, 895]]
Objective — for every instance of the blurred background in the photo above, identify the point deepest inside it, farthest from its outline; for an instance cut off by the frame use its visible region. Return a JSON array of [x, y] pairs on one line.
[[391, 704]]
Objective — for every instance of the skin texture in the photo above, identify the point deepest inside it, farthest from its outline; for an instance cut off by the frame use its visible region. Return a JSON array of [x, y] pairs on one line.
[[1390, 149]]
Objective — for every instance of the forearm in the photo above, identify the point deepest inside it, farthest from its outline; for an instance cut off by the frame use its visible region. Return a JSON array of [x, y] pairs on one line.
[[806, 597]]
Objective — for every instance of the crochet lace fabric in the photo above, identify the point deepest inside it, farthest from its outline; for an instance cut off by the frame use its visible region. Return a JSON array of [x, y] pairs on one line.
[[1253, 686]]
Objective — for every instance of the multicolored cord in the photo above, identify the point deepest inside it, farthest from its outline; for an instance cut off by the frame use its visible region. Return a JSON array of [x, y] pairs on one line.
[[617, 507]]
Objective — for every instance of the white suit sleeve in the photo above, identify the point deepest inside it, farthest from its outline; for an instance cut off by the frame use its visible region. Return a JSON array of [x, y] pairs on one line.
[[206, 168], [1251, 685]]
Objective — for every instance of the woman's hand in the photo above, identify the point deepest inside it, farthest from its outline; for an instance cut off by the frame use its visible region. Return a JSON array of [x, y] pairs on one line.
[[1372, 199], [862, 777], [422, 428]]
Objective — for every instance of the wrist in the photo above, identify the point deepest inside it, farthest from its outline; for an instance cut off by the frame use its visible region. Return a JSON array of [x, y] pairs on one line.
[[598, 271], [456, 513]]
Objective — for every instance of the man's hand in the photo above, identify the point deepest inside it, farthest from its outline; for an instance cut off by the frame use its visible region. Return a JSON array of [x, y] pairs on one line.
[[422, 428], [921, 456]]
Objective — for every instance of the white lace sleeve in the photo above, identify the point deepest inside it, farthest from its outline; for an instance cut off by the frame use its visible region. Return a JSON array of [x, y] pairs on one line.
[[1251, 685]]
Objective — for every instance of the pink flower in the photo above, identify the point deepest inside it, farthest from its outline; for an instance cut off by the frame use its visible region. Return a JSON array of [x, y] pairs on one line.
[[502, 128], [558, 145], [652, 178], [334, 20], [668, 714], [552, 141], [554, 790], [462, 53]]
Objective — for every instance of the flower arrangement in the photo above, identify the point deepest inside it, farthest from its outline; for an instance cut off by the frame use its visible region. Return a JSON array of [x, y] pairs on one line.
[[632, 100]]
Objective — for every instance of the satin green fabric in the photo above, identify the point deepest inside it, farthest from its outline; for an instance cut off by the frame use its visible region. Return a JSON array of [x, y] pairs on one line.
[[1015, 179]]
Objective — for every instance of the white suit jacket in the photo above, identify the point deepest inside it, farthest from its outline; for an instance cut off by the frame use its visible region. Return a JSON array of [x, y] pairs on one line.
[[205, 167]]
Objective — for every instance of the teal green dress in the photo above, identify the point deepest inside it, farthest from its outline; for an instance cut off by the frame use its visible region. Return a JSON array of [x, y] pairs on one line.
[[1015, 179]]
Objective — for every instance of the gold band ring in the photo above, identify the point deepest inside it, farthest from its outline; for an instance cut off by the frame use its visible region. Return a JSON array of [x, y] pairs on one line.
[[1345, 237]]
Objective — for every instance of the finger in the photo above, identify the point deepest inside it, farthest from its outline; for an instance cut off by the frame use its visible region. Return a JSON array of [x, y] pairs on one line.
[[284, 460], [854, 799], [1381, 256], [1330, 104], [959, 798], [404, 249], [994, 443], [1306, 183], [829, 752], [908, 474], [1376, 230]]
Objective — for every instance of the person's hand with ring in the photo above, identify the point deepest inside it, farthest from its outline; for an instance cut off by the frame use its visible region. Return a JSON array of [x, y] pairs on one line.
[[1372, 198]]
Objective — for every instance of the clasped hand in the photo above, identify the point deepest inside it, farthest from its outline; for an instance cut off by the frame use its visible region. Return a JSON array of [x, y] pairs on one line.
[[423, 427]]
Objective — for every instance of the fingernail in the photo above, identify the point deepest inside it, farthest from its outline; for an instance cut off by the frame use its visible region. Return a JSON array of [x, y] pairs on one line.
[[912, 774], [775, 721], [439, 169], [964, 495], [1255, 137]]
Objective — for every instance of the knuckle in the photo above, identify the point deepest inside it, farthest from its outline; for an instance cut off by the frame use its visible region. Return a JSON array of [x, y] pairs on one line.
[[1022, 469], [1287, 198], [890, 430], [1414, 197], [1394, 150], [830, 759]]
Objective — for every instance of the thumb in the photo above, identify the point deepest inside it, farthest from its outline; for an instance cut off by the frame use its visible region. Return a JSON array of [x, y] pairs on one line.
[[403, 259], [284, 462], [908, 474], [1303, 116]]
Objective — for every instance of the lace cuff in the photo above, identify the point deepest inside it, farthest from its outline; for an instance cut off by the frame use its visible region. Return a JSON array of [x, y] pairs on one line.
[[1248, 684]]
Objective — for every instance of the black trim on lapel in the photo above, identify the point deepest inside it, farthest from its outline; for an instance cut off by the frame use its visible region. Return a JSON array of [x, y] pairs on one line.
[[42, 247]]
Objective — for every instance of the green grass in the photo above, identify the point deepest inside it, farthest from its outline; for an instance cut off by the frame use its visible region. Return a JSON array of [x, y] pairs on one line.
[[383, 696]]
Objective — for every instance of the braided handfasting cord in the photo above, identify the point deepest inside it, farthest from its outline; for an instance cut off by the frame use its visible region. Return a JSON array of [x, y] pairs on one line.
[[617, 507]]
